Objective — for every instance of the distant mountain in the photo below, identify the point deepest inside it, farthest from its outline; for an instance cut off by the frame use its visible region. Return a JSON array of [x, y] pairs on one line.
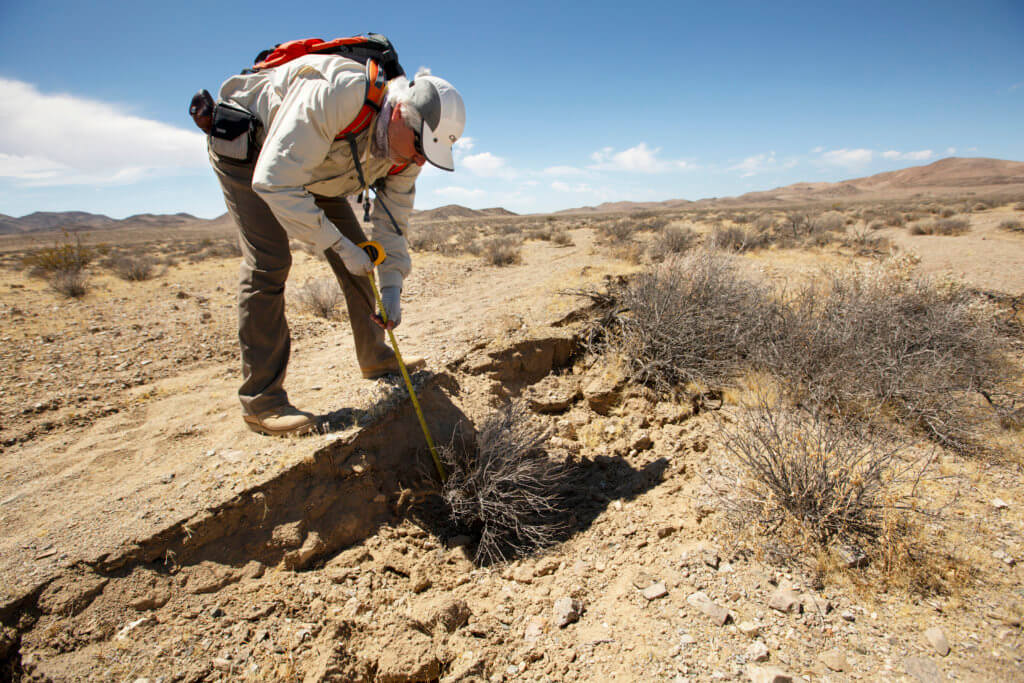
[[456, 211], [946, 176], [46, 221]]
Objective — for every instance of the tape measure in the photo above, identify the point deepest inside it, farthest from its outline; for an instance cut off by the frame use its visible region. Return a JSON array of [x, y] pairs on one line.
[[374, 251]]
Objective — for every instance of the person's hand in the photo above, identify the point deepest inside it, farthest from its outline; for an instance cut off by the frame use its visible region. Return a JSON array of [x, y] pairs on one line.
[[355, 259], [391, 297]]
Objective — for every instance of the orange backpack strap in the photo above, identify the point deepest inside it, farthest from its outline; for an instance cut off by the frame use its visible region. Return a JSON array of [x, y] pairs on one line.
[[376, 86], [398, 168]]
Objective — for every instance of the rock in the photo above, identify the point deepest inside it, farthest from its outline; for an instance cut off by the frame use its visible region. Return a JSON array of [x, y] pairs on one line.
[[67, 596], [834, 659], [713, 611], [642, 441], [127, 629], [553, 394], [757, 652], [311, 549], [419, 581], [686, 639], [603, 392], [567, 611], [448, 613], [523, 574], [768, 674], [548, 565], [923, 669], [749, 629], [999, 504], [222, 664], [710, 558], [665, 531], [848, 556], [847, 615], [937, 639], [407, 656], [534, 629], [815, 604], [655, 591], [642, 580], [207, 577], [287, 535], [253, 569], [785, 600]]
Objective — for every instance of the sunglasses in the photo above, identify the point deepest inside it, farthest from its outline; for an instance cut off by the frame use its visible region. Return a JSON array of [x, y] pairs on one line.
[[417, 143]]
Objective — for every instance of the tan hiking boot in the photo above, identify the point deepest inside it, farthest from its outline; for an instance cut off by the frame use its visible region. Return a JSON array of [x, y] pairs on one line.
[[390, 367], [281, 421]]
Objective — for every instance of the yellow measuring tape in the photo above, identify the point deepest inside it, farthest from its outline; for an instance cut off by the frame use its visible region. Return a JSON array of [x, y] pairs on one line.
[[376, 253]]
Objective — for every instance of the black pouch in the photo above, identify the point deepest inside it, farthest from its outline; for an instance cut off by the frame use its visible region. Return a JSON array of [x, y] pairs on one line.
[[233, 132]]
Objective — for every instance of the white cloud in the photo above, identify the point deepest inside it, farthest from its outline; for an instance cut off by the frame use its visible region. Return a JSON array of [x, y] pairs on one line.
[[49, 139], [563, 171], [848, 157], [818, 150], [638, 159], [464, 144], [487, 165], [459, 192], [559, 186], [920, 155], [759, 163], [950, 151]]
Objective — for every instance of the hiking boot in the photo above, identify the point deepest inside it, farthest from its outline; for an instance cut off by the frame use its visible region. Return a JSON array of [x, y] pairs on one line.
[[390, 367], [281, 421]]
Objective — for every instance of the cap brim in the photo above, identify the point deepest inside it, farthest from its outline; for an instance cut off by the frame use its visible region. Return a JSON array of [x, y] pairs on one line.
[[437, 151]]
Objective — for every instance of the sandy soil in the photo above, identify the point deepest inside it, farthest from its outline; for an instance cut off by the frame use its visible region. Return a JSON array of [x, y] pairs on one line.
[[147, 535]]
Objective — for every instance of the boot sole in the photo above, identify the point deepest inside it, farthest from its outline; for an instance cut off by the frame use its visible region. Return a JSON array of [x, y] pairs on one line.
[[295, 431], [377, 374]]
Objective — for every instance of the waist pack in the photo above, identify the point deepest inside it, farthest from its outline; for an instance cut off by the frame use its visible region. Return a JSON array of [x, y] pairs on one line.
[[233, 132]]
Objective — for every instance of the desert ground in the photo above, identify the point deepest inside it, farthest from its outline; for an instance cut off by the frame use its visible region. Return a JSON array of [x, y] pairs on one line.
[[148, 536]]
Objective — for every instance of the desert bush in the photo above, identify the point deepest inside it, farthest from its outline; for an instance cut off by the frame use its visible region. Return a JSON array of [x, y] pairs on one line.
[[70, 283], [321, 297], [501, 251], [1019, 206], [1012, 224], [505, 490], [981, 206], [865, 242], [67, 255], [133, 268], [764, 223], [690, 319], [836, 479], [830, 221], [629, 251], [618, 230], [430, 237], [797, 223], [561, 238], [735, 238], [943, 226], [874, 342], [947, 213], [648, 221], [676, 239]]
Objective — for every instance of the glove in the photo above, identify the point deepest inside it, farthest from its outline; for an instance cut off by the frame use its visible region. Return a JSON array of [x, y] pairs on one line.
[[355, 259], [391, 296]]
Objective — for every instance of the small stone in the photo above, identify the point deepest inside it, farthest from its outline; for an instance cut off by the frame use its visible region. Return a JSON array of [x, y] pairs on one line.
[[923, 669], [548, 565], [848, 556], [815, 604], [642, 441], [666, 531], [785, 599], [757, 652], [221, 663], [999, 504], [534, 629], [567, 611], [847, 615], [710, 558], [715, 612], [937, 639], [655, 591], [835, 660], [749, 629], [523, 574], [768, 674]]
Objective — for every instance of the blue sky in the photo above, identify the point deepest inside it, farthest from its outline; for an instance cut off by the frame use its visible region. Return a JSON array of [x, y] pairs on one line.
[[568, 104]]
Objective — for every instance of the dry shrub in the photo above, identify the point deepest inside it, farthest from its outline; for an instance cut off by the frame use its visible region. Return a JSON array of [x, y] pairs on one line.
[[764, 223], [1012, 224], [675, 240], [689, 319], [430, 237], [619, 230], [501, 251], [944, 226], [872, 341], [830, 221], [134, 268], [70, 283], [561, 238], [629, 251], [67, 255], [506, 490], [322, 298], [735, 238], [834, 478]]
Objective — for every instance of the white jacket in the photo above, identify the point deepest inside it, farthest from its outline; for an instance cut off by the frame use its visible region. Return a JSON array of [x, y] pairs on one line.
[[303, 105]]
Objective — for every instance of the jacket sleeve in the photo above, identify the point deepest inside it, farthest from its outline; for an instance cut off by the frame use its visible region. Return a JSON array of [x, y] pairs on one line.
[[395, 196], [311, 113]]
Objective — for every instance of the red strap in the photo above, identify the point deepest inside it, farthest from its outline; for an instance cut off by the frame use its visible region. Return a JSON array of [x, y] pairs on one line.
[[376, 86], [286, 52], [398, 168]]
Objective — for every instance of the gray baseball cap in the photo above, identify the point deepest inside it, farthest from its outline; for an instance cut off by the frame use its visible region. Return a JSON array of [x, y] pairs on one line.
[[444, 118]]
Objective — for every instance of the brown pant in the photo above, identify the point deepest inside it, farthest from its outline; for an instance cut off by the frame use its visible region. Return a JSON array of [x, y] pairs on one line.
[[262, 327]]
